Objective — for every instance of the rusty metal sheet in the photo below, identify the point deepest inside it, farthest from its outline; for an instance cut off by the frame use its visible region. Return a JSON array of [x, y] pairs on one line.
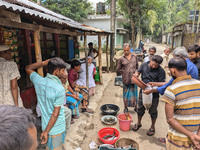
[[35, 10]]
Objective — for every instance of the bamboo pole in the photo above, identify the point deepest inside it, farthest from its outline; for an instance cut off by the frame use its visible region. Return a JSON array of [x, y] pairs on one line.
[[107, 38], [38, 54], [100, 60], [86, 61]]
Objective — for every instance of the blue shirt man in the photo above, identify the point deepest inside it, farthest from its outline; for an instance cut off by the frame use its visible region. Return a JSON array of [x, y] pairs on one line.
[[51, 95], [47, 88], [191, 70]]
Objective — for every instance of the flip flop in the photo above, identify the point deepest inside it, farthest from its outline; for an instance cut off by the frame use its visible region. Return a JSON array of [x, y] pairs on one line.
[[149, 131], [72, 121], [162, 140], [126, 110], [136, 127], [75, 116], [88, 110]]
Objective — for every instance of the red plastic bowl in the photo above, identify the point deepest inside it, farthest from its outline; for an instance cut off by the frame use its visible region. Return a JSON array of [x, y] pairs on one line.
[[108, 131]]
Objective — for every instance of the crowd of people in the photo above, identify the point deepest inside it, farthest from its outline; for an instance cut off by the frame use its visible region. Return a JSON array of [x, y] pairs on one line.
[[59, 94], [180, 93], [175, 76]]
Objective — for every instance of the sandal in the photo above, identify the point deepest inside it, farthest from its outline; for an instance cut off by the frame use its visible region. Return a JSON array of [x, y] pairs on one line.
[[136, 127], [162, 140], [87, 110], [126, 110], [72, 121], [75, 116], [149, 132]]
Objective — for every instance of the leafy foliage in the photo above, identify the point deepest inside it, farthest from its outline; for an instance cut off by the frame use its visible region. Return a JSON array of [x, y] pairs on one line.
[[153, 17], [74, 9]]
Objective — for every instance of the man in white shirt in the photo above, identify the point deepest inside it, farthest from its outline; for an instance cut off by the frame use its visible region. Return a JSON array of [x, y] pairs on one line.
[[166, 58], [92, 53], [9, 74], [152, 51]]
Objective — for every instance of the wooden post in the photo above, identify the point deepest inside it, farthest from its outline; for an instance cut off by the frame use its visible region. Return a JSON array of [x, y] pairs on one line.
[[38, 55], [27, 45], [57, 44], [27, 48], [100, 60], [45, 43], [107, 38], [1, 37], [86, 61], [112, 37]]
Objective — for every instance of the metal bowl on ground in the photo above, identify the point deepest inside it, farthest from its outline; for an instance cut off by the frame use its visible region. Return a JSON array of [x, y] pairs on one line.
[[123, 142], [109, 109], [109, 119]]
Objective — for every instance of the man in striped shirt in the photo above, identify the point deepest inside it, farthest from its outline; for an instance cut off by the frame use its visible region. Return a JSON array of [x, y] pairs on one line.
[[182, 108]]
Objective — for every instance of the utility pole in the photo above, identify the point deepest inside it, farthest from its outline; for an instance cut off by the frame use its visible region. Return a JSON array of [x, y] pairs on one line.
[[194, 17], [112, 37], [197, 28]]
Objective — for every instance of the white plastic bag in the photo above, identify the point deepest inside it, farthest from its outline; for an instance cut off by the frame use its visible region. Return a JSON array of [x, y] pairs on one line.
[[147, 99]]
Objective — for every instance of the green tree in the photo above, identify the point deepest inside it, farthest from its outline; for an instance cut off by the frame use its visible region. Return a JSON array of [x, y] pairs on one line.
[[153, 17], [74, 9], [141, 15]]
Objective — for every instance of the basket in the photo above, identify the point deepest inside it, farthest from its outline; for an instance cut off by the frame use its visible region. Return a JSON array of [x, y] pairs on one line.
[[125, 141]]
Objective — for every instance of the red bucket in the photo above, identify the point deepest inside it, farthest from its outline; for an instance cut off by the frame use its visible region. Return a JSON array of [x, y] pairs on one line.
[[123, 123]]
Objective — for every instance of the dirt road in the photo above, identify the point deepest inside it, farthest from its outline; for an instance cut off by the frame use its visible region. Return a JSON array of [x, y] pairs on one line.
[[113, 95]]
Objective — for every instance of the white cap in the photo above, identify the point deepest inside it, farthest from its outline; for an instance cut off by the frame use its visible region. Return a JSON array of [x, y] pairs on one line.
[[4, 48]]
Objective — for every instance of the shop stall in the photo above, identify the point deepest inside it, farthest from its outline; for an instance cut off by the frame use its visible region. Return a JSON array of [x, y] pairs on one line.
[[34, 34]]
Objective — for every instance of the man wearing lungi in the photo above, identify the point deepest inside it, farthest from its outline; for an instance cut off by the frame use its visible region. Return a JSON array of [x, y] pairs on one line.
[[151, 72], [51, 95], [127, 65]]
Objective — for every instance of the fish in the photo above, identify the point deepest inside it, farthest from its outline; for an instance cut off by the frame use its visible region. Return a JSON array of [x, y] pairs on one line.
[[108, 136], [112, 138], [109, 119]]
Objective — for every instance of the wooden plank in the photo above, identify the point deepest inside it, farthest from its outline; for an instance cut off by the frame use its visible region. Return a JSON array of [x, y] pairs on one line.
[[66, 32], [94, 33], [45, 43], [38, 55], [57, 44], [100, 60], [86, 61], [27, 45], [13, 24], [67, 46], [107, 41]]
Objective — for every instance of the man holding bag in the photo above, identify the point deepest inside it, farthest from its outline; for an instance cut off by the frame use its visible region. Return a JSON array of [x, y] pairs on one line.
[[151, 72]]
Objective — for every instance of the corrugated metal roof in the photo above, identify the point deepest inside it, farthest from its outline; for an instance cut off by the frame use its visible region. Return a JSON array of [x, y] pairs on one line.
[[33, 9]]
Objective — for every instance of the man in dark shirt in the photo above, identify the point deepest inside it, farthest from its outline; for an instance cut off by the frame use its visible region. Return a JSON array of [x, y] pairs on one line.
[[194, 56], [127, 65], [151, 72]]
